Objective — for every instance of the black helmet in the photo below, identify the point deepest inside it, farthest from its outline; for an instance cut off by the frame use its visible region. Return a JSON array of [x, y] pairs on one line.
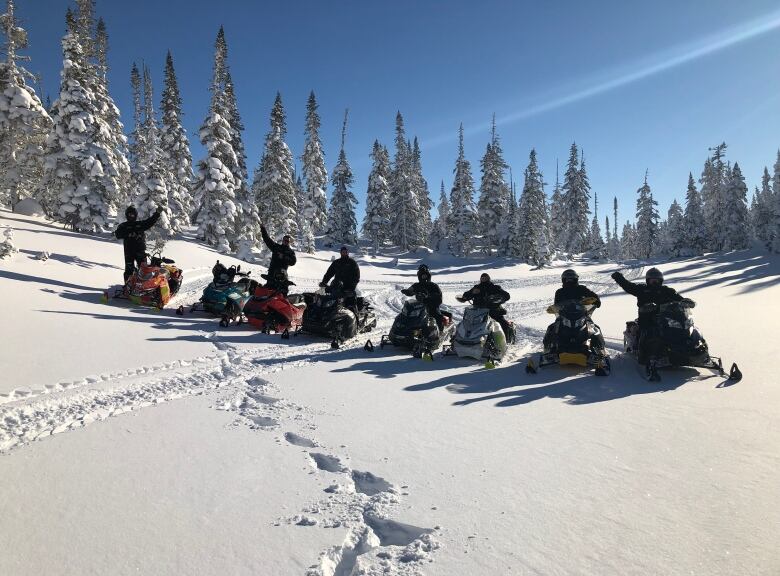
[[654, 276], [484, 277], [423, 271], [131, 212], [569, 276]]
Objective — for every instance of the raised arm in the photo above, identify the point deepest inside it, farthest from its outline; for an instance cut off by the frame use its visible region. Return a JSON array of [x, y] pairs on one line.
[[630, 287]]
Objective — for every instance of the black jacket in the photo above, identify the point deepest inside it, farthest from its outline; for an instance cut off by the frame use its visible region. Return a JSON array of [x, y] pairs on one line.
[[481, 293], [647, 294], [577, 293], [344, 270], [432, 293], [134, 235], [281, 256]]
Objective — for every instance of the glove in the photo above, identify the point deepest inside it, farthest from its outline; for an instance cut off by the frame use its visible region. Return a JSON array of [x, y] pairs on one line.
[[460, 298], [323, 284], [589, 301], [475, 290], [407, 292], [616, 275], [688, 303], [552, 309], [159, 210]]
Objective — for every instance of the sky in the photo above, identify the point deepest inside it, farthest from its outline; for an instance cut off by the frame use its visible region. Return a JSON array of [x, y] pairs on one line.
[[640, 87]]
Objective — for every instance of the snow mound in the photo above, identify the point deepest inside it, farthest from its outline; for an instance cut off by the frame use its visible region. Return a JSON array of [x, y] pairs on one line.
[[29, 207]]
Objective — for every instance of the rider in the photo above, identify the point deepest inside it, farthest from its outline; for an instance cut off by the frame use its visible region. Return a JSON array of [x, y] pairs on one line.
[[282, 256], [133, 234], [490, 296], [652, 291], [429, 292], [571, 289], [346, 275]]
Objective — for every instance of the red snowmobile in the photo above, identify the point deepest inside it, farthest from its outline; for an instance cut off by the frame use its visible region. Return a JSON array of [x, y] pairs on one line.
[[152, 284], [270, 310]]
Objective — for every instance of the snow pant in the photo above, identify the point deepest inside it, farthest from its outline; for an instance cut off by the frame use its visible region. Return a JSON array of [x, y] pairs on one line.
[[133, 261]]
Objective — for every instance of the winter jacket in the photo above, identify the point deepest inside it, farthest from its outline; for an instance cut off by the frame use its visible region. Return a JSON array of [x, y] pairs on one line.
[[646, 295], [134, 235], [344, 270], [576, 293], [432, 293], [481, 293], [281, 256]]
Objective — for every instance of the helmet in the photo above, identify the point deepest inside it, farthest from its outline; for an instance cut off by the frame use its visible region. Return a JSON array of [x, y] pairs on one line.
[[484, 277], [131, 213], [654, 276], [286, 239], [423, 271], [569, 276]]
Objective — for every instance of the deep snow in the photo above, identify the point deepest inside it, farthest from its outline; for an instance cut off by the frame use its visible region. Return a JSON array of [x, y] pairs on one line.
[[180, 447]]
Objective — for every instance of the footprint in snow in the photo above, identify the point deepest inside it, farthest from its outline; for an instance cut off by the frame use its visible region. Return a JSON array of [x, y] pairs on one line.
[[368, 484], [299, 440], [327, 463], [263, 421]]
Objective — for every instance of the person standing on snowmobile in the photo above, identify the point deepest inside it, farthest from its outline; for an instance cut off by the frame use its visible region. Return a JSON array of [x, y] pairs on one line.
[[652, 291], [282, 256], [571, 289], [133, 235], [490, 296], [344, 271], [429, 291]]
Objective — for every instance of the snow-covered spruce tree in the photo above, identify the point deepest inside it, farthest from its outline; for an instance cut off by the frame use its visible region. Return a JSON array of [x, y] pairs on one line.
[[674, 231], [714, 181], [7, 246], [494, 194], [557, 212], [24, 122], [695, 228], [773, 243], [404, 201], [646, 222], [274, 184], [424, 224], [215, 185], [614, 250], [735, 219], [137, 145], [596, 246], [305, 234], [441, 225], [762, 211], [377, 218], [314, 171], [175, 149], [608, 233], [534, 240], [628, 242], [464, 213], [576, 197], [513, 243], [81, 179], [342, 224]]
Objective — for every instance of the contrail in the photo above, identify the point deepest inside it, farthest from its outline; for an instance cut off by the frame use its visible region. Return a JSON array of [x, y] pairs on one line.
[[640, 70]]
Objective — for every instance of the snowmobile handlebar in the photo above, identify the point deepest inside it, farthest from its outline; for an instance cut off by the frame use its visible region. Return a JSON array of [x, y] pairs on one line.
[[589, 304], [652, 307]]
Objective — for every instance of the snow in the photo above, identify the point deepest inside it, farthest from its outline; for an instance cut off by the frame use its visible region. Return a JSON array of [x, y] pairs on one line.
[[28, 207], [144, 442]]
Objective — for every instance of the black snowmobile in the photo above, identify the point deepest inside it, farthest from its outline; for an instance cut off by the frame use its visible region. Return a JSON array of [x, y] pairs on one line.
[[675, 341], [574, 339], [415, 328], [337, 313]]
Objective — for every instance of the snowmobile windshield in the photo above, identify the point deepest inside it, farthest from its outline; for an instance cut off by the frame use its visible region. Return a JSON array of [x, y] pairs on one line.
[[413, 309]]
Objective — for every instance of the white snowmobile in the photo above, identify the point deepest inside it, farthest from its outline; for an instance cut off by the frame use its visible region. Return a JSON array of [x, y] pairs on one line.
[[478, 336]]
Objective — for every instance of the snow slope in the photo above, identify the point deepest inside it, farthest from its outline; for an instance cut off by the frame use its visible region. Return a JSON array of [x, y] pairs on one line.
[[143, 442]]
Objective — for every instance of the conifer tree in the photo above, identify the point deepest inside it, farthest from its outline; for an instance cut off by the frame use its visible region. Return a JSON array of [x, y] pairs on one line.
[[646, 223], [24, 122], [377, 218], [762, 214], [404, 199], [735, 222], [274, 185], [175, 149], [557, 211], [576, 197], [695, 228], [341, 217], [714, 181], [314, 171], [628, 242], [423, 224], [533, 240], [441, 227], [597, 248], [674, 231], [216, 183], [464, 213], [494, 194]]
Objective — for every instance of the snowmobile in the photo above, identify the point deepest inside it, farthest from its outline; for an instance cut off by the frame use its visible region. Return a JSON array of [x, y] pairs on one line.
[[225, 296], [152, 284], [270, 310], [676, 340], [415, 328], [479, 336], [575, 340], [337, 313]]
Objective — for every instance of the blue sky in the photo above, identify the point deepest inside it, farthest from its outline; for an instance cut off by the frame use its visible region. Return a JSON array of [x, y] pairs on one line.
[[640, 86]]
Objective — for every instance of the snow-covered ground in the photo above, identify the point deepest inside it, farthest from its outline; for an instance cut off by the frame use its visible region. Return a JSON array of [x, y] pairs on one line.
[[144, 442]]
